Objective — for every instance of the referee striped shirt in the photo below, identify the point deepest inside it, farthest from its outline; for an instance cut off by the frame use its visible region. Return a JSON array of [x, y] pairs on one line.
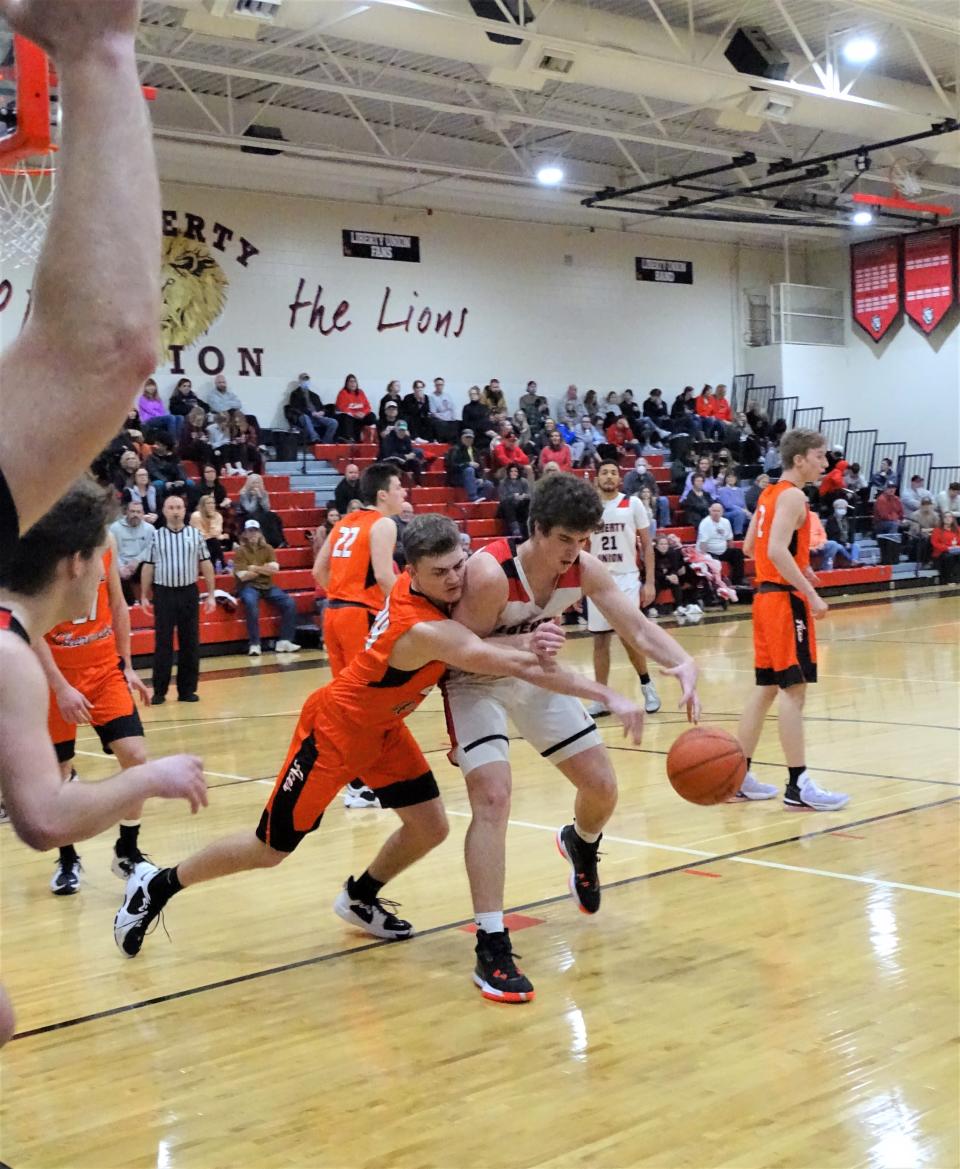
[[176, 557]]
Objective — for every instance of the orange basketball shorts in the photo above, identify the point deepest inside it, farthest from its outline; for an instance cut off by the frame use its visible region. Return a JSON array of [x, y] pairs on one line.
[[326, 752], [345, 631], [784, 640], [114, 714]]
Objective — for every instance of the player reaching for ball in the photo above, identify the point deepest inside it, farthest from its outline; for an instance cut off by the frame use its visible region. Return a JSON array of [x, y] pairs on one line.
[[784, 610]]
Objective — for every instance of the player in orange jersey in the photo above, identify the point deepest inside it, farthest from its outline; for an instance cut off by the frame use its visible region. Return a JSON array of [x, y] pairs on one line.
[[355, 567], [87, 664], [357, 723], [785, 608]]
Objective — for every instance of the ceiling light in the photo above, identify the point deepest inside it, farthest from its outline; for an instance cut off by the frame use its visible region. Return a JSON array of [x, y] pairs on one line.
[[862, 218], [550, 175], [860, 50]]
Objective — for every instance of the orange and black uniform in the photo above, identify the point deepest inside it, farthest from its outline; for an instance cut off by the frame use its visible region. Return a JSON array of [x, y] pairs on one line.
[[353, 596], [9, 623], [784, 641], [355, 726], [9, 519], [85, 652]]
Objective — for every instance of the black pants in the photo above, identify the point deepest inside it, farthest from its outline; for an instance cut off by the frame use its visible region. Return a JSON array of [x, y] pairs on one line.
[[127, 583], [514, 512], [176, 609], [734, 558]]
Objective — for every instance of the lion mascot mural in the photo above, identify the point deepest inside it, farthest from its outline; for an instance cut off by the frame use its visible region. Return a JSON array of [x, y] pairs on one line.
[[194, 291]]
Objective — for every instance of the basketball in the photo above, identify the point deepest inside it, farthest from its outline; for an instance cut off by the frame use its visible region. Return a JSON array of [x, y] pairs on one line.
[[706, 765]]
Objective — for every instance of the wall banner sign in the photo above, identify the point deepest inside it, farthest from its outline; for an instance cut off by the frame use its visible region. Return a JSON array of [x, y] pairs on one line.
[[381, 245], [664, 271], [875, 285], [928, 276]]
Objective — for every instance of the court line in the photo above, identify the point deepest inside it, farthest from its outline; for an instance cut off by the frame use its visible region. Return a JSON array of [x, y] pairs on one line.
[[701, 853], [447, 927]]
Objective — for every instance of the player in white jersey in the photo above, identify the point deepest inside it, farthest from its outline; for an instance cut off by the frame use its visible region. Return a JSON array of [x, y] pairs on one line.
[[624, 530], [511, 589]]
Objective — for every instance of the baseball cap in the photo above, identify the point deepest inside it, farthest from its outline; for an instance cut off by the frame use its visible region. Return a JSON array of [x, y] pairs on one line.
[[251, 524], [401, 425], [466, 430]]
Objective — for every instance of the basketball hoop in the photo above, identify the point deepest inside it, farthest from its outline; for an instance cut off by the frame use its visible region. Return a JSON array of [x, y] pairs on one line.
[[26, 194]]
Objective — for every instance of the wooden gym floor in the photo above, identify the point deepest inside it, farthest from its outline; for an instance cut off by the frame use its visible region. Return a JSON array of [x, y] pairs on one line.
[[761, 989]]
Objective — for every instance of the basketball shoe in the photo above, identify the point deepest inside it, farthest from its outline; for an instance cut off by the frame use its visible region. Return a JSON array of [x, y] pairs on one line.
[[357, 795], [66, 874], [583, 858], [753, 789], [138, 911], [496, 973], [124, 862], [597, 710], [376, 917], [806, 794], [651, 699]]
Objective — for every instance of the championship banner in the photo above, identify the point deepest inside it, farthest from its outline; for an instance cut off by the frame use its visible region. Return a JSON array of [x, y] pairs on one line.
[[928, 271], [875, 285]]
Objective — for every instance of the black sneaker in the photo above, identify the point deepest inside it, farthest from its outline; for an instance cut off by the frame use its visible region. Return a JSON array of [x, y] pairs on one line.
[[583, 859], [124, 862], [66, 877], [377, 917], [496, 972], [137, 912]]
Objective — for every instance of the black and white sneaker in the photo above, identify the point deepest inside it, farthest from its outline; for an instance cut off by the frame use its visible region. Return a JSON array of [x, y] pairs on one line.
[[137, 912], [583, 859], [66, 876], [124, 863], [496, 973], [376, 917], [360, 796], [4, 818]]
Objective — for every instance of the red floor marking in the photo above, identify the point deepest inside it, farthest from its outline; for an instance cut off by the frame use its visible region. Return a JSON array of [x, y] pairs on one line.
[[701, 873], [513, 922], [847, 835]]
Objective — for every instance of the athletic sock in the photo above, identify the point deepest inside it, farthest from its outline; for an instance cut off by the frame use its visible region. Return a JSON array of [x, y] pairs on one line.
[[795, 773], [586, 837], [365, 888], [749, 762], [644, 679], [127, 842], [68, 855], [490, 923], [163, 886]]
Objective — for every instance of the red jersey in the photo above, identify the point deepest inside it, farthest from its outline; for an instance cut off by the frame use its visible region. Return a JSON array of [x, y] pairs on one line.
[[502, 456], [351, 569], [767, 571], [89, 641], [370, 692]]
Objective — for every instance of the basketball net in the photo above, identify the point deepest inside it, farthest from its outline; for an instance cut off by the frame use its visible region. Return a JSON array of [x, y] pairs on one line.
[[26, 195]]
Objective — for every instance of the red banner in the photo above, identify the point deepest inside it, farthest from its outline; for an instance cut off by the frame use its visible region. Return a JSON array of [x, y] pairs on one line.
[[928, 259], [875, 285]]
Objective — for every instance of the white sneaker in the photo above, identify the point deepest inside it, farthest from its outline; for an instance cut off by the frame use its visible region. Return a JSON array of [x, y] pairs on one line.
[[680, 614], [4, 818], [596, 709], [806, 794], [360, 797], [651, 699], [376, 917], [287, 647], [694, 614], [753, 789], [653, 611], [254, 651]]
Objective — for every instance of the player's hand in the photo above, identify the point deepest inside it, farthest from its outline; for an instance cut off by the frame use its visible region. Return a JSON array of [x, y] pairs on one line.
[[146, 605], [818, 607], [547, 640], [673, 578], [210, 604], [74, 708], [67, 28], [138, 688], [686, 674], [812, 577], [179, 777], [648, 595], [630, 715]]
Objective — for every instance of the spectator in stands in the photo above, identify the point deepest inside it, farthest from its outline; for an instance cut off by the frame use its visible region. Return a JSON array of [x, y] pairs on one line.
[[656, 412], [528, 404], [638, 476], [133, 539], [644, 431], [221, 399], [681, 467], [507, 452], [620, 437], [649, 501], [151, 411], [183, 399], [494, 399], [949, 501], [722, 410], [883, 476], [208, 520], [910, 496], [752, 493], [255, 565], [416, 410], [247, 454], [391, 396], [143, 492], [589, 440], [521, 427], [591, 405], [556, 451], [253, 503], [224, 450], [305, 410], [166, 472], [401, 520], [945, 545], [442, 413], [921, 525], [397, 447], [476, 417], [192, 443], [568, 407], [840, 531], [888, 522], [704, 467], [822, 550], [684, 416], [210, 485], [704, 407], [464, 468], [347, 489], [129, 465], [697, 504], [353, 410], [514, 501], [714, 537], [672, 572], [731, 496], [855, 482], [771, 459]]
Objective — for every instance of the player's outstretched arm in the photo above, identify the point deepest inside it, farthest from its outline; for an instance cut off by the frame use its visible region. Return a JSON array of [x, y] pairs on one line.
[[92, 333], [46, 812]]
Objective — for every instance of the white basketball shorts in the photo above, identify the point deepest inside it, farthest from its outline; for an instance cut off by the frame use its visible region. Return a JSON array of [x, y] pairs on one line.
[[628, 583]]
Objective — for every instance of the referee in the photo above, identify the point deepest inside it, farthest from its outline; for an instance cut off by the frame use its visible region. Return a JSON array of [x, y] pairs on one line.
[[169, 585]]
